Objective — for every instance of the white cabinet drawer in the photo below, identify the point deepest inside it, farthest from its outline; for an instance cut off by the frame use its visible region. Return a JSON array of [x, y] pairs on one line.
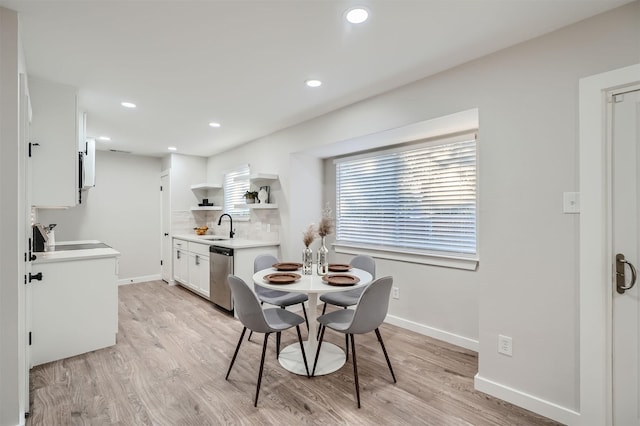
[[199, 248], [180, 244]]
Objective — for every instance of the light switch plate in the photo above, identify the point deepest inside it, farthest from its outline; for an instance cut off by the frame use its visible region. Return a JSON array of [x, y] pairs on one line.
[[571, 202]]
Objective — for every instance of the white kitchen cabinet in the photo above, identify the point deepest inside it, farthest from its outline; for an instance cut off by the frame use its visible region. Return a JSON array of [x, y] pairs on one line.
[[191, 266], [180, 262], [199, 272], [54, 144], [243, 261], [74, 308]]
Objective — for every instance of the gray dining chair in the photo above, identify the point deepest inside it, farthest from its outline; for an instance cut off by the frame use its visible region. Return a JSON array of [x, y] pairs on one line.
[[267, 321], [366, 317], [276, 297], [350, 297]]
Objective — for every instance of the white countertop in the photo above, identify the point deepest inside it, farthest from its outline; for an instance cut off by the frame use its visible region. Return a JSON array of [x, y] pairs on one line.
[[234, 243], [61, 255]]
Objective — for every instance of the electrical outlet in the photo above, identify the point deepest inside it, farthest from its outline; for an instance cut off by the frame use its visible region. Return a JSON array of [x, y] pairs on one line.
[[505, 345], [395, 293]]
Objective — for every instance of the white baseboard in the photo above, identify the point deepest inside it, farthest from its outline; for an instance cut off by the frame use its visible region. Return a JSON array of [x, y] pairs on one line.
[[532, 403], [445, 336], [142, 279]]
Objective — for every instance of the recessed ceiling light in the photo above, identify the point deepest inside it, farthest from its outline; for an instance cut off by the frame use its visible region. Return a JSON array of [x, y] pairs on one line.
[[128, 104], [313, 83], [214, 124], [172, 148], [104, 138], [357, 15]]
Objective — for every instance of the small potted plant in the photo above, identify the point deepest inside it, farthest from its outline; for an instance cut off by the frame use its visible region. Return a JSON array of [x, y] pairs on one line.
[[250, 196]]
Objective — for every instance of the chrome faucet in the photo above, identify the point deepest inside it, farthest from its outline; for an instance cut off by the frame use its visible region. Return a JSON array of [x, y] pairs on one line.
[[231, 231]]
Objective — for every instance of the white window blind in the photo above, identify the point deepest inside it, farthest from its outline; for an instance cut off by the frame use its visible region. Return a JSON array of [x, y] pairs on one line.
[[236, 183], [417, 198]]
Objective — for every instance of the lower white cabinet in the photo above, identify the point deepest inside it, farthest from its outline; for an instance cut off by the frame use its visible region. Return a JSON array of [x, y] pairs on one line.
[[180, 265], [74, 308], [199, 271], [243, 261], [191, 266]]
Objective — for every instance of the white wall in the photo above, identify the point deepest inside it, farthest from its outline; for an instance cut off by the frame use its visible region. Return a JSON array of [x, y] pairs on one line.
[[123, 210], [526, 286], [186, 170], [11, 266]]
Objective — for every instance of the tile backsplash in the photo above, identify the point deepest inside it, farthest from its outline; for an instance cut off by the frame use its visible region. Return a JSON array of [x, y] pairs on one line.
[[263, 225]]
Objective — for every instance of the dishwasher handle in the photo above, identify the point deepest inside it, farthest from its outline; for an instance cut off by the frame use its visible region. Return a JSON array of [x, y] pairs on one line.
[[225, 251]]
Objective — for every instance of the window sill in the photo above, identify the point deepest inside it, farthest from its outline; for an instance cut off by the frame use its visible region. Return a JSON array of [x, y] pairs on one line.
[[446, 261]]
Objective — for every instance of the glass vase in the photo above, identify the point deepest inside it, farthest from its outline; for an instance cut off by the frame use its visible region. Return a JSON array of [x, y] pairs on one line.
[[323, 259], [307, 261]]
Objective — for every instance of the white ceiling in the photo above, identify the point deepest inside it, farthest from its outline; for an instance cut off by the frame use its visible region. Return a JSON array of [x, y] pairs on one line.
[[243, 63]]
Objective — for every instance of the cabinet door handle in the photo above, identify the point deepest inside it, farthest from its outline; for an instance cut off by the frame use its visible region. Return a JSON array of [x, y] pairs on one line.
[[166, 234], [621, 285], [197, 259], [177, 254], [37, 276]]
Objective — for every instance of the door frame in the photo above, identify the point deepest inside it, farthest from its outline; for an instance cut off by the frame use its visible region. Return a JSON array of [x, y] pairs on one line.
[[165, 219], [596, 244]]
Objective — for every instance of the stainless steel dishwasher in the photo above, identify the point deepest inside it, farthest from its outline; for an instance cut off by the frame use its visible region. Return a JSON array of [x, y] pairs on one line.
[[221, 265]]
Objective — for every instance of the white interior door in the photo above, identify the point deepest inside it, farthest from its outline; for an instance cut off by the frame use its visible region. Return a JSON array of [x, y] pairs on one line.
[[165, 214], [25, 291], [625, 145]]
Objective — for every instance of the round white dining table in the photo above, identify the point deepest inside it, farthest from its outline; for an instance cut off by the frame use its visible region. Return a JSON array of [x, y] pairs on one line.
[[331, 357]]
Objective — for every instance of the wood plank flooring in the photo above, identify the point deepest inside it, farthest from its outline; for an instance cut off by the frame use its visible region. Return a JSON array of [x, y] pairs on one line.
[[173, 351]]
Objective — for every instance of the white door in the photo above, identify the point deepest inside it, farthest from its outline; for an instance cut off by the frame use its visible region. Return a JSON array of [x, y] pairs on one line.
[[25, 291], [165, 214], [625, 148]]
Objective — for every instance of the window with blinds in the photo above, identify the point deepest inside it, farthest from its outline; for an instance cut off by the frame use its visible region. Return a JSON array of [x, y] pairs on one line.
[[236, 183], [420, 198]]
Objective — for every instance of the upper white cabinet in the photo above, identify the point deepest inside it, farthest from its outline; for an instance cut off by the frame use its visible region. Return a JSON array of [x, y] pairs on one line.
[[89, 164], [54, 144]]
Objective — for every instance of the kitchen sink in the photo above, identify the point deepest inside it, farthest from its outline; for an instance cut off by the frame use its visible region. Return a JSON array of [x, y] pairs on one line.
[[215, 238]]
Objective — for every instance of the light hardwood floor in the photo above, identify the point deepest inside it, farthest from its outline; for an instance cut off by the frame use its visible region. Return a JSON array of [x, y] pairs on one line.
[[173, 351]]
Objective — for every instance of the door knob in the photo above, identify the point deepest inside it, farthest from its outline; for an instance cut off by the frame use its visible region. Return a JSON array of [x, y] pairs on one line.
[[621, 284], [166, 234]]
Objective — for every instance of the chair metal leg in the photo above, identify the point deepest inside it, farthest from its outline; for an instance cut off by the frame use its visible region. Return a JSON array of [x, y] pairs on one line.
[[244, 329], [278, 337], [355, 368], [304, 356], [264, 350], [304, 312], [324, 309], [315, 362], [346, 347], [385, 355]]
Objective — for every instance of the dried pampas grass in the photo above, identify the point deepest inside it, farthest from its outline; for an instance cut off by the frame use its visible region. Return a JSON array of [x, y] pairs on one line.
[[309, 235], [326, 223]]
